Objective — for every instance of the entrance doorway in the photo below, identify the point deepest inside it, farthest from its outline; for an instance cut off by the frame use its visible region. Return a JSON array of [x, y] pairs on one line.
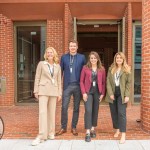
[[30, 46], [103, 41]]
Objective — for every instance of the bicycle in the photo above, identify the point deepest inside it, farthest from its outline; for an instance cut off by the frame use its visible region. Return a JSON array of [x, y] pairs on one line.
[[1, 127]]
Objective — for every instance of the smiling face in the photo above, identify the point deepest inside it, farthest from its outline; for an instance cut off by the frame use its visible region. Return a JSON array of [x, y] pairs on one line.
[[93, 59], [50, 54], [73, 48], [119, 60]]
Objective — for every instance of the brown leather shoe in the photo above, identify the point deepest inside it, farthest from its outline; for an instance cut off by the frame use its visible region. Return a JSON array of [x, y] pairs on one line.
[[74, 131], [60, 132]]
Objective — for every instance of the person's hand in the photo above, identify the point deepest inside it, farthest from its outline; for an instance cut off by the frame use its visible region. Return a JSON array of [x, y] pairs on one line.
[[126, 99], [58, 98], [112, 97], [85, 97], [36, 96], [101, 97]]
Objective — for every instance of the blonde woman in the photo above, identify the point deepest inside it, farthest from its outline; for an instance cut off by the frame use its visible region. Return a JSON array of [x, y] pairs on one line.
[[118, 93], [47, 90]]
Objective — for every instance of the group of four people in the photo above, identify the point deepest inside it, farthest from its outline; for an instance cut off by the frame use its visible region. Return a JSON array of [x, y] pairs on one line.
[[88, 80]]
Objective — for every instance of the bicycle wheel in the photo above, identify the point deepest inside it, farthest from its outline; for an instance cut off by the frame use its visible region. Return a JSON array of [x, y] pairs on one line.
[[1, 127]]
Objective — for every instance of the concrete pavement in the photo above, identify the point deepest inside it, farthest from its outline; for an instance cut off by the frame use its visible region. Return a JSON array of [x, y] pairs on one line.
[[25, 144]]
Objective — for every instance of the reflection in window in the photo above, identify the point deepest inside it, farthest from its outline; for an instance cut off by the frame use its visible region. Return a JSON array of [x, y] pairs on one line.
[[137, 63], [30, 50]]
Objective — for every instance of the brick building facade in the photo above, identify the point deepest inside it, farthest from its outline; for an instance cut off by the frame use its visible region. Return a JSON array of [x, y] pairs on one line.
[[28, 27]]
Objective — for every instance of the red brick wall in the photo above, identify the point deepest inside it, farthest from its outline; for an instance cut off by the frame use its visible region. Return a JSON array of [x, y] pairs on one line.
[[68, 27], [101, 28], [55, 35], [20, 124], [145, 104], [129, 43], [128, 33], [129, 36], [7, 60]]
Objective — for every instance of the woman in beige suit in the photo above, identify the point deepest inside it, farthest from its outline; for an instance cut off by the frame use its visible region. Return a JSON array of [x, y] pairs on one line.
[[118, 93], [47, 90]]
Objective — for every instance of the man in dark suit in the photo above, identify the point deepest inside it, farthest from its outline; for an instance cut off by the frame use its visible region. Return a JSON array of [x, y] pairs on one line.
[[71, 65]]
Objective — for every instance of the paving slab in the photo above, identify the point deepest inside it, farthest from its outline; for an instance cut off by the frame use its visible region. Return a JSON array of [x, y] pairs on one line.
[[25, 144]]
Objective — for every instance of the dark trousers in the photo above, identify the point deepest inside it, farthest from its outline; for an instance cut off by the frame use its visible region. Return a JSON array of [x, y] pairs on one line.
[[91, 110], [76, 92], [118, 112]]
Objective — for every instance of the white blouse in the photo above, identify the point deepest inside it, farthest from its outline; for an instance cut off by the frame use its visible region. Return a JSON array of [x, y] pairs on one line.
[[117, 78], [50, 67]]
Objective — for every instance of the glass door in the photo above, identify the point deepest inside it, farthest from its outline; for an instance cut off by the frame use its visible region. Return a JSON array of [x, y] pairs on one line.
[[137, 61], [30, 46]]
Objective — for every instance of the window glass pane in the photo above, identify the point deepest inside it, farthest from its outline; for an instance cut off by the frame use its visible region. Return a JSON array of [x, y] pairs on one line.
[[137, 63], [30, 49]]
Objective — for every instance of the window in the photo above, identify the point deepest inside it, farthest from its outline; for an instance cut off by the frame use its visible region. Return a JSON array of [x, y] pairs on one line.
[[137, 62], [30, 46]]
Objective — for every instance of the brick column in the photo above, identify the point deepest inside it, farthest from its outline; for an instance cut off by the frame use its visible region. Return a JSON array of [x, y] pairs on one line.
[[7, 60], [68, 27], [129, 38], [129, 43], [128, 33], [54, 35], [145, 103]]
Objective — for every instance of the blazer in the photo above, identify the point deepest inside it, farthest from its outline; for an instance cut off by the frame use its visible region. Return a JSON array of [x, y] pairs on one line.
[[43, 81], [65, 67], [86, 80], [125, 85]]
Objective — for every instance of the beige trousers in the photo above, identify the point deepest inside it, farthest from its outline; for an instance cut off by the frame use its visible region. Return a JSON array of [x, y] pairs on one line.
[[47, 108]]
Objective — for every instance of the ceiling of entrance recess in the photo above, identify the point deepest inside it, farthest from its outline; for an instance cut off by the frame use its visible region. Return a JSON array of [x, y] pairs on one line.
[[55, 10], [104, 10]]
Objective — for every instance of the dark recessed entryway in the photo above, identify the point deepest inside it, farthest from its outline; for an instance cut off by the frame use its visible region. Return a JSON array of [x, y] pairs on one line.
[[105, 43]]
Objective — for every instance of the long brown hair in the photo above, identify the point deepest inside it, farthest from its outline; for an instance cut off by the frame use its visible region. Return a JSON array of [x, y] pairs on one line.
[[99, 64], [126, 68]]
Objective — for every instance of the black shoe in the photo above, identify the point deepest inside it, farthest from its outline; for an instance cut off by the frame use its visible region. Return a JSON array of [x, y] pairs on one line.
[[93, 134], [88, 138]]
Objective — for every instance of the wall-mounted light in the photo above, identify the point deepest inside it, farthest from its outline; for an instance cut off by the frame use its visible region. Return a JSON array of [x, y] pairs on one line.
[[96, 25], [33, 33]]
